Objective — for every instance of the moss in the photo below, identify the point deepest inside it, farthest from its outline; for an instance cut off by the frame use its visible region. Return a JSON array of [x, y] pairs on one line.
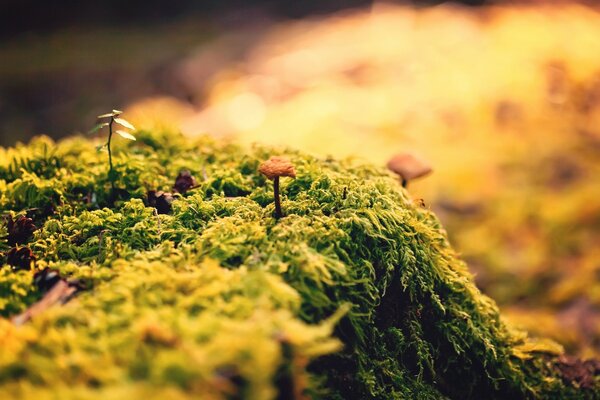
[[355, 293], [515, 163]]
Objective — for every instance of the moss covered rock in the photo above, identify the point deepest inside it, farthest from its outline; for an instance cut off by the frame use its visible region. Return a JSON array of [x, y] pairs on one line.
[[355, 293]]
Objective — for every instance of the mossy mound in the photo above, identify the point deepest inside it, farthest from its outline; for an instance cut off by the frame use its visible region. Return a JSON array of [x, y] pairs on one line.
[[355, 293], [509, 120]]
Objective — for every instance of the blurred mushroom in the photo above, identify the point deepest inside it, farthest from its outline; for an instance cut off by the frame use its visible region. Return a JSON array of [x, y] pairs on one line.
[[273, 168], [408, 167], [184, 182]]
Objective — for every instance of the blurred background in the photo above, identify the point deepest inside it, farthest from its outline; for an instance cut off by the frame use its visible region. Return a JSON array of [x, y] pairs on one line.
[[503, 98]]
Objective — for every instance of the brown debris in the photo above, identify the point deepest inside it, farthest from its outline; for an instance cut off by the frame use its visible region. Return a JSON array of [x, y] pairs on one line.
[[45, 279], [160, 200], [579, 372], [408, 166], [19, 230], [277, 166], [41, 213], [20, 258], [60, 293], [184, 182], [56, 289]]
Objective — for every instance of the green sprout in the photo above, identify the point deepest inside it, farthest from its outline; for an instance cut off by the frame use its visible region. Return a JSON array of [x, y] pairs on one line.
[[114, 118]]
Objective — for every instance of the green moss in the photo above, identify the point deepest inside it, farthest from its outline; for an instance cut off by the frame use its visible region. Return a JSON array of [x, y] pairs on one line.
[[356, 293]]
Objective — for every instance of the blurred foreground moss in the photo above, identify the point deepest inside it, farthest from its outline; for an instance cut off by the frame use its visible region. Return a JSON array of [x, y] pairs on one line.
[[355, 293]]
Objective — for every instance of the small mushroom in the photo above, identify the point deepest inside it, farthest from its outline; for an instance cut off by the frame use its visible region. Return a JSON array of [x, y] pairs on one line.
[[408, 167], [273, 168], [184, 182]]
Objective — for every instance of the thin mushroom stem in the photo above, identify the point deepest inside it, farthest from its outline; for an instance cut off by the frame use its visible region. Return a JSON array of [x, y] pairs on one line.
[[404, 182], [278, 212]]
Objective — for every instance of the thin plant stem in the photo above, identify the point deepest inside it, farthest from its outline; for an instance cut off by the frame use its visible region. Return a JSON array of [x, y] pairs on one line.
[[278, 213], [111, 175]]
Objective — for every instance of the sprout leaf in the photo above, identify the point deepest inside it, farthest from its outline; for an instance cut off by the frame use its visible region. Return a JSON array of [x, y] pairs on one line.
[[124, 123], [97, 127], [126, 135]]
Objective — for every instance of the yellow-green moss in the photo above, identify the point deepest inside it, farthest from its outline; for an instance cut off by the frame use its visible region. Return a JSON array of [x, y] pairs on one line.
[[355, 293]]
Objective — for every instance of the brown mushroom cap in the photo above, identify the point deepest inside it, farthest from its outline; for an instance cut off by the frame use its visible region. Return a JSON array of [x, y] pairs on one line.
[[409, 166], [277, 166]]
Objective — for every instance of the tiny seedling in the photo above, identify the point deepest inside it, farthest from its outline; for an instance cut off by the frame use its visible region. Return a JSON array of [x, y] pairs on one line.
[[112, 117]]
